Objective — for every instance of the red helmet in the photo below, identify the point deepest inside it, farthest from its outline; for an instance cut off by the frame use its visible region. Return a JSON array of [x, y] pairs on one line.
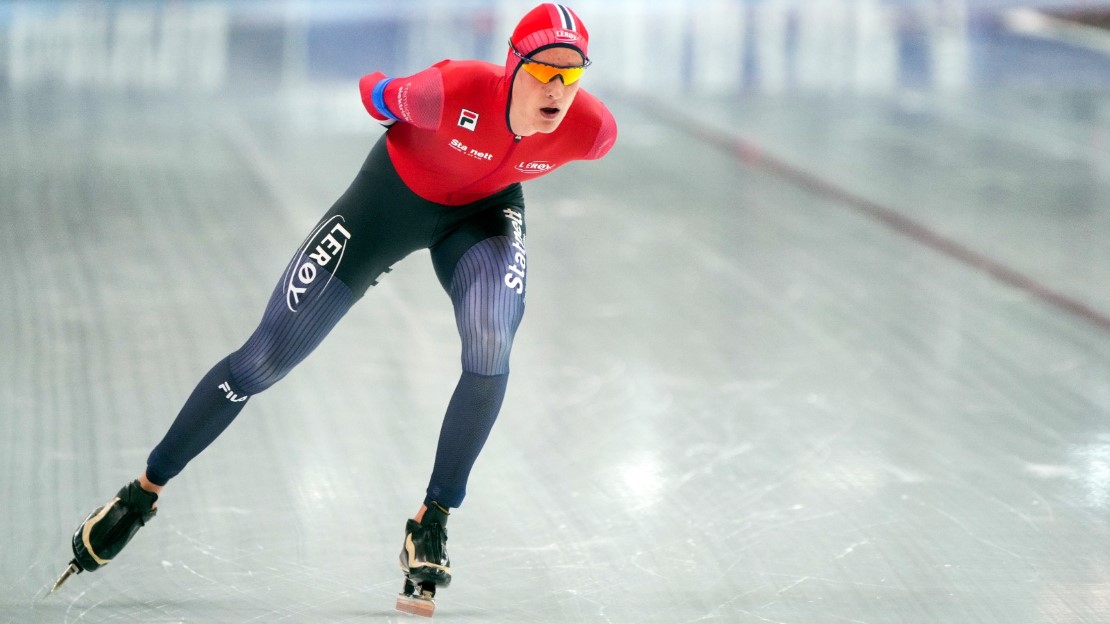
[[547, 25]]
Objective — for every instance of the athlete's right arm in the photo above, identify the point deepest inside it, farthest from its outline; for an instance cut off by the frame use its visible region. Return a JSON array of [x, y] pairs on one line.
[[416, 99]]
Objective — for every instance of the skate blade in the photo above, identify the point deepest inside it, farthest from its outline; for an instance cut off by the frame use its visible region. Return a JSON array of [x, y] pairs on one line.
[[416, 605], [70, 571]]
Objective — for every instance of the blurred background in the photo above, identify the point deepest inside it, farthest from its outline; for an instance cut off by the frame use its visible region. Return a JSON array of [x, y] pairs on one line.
[[825, 338], [712, 47]]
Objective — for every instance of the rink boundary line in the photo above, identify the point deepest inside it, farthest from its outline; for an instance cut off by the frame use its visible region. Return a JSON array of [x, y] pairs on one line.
[[750, 154]]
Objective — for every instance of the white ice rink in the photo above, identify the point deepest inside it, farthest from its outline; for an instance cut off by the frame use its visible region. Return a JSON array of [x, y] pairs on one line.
[[825, 339]]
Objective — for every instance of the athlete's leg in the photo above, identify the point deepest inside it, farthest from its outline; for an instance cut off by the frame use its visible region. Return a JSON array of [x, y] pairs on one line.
[[481, 264], [374, 224], [282, 340], [486, 283]]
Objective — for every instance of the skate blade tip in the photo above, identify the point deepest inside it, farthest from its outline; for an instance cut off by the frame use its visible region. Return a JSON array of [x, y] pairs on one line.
[[415, 605], [70, 570]]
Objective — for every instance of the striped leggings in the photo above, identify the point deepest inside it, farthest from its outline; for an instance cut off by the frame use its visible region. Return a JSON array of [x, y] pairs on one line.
[[478, 252]]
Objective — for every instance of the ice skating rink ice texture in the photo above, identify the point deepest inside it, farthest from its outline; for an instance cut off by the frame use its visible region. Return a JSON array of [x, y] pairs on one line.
[[824, 339]]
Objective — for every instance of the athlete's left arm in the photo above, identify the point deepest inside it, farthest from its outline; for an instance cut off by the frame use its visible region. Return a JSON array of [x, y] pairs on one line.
[[606, 132]]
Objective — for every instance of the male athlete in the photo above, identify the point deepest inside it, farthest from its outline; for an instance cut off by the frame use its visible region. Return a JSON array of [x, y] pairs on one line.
[[461, 136]]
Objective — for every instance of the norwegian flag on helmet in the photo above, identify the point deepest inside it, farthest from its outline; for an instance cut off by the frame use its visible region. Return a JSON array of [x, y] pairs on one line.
[[549, 24], [568, 17]]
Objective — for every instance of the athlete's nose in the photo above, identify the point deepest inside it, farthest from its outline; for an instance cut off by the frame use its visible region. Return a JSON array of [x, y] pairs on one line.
[[554, 88]]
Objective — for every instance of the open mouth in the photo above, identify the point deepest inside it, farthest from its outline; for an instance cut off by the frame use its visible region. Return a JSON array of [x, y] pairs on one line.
[[549, 111]]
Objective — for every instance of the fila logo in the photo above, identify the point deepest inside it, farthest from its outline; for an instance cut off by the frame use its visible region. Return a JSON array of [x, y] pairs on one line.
[[468, 119], [231, 396]]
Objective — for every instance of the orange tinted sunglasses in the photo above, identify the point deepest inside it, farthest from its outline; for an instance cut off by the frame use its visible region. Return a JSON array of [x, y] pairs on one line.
[[546, 72]]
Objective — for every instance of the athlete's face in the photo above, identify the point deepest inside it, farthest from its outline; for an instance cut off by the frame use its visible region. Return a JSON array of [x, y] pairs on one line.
[[540, 107]]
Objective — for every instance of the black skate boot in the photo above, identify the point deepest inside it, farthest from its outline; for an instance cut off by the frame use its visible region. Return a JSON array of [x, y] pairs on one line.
[[108, 529], [425, 562]]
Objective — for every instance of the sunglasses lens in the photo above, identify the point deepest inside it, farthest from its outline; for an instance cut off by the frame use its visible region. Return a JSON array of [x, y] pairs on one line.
[[545, 73]]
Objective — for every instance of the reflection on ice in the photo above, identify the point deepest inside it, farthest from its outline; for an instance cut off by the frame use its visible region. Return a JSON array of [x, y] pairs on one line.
[[1093, 464], [642, 481]]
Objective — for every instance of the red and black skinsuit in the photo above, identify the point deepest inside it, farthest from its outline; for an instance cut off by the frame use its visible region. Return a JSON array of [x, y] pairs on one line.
[[445, 177]]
